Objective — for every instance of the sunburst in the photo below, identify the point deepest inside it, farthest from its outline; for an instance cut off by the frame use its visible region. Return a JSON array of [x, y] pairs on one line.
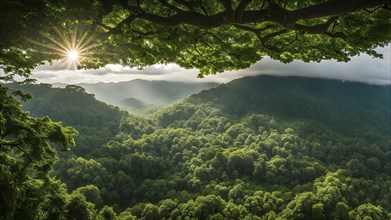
[[73, 55], [72, 47]]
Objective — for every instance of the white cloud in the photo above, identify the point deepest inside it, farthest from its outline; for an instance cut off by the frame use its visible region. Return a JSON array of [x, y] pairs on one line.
[[360, 69]]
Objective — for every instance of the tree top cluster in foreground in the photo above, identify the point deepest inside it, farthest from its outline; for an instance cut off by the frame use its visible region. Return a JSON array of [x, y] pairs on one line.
[[212, 36]]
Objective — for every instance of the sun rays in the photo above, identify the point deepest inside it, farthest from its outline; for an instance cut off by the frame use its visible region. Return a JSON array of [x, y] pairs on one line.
[[73, 55], [70, 48]]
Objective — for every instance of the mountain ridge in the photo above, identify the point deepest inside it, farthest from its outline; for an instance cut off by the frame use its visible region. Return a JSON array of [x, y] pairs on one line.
[[326, 100], [155, 94]]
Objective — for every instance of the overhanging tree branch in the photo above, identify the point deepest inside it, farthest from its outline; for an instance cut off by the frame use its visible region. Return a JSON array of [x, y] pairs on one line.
[[272, 13], [264, 40], [240, 9], [263, 18], [229, 15], [316, 29]]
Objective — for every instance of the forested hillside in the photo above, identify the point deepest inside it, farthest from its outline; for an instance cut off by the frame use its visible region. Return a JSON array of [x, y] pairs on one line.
[[96, 121], [346, 106], [256, 148]]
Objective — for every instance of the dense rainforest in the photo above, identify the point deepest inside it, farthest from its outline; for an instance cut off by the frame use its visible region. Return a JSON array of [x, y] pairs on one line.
[[255, 148], [95, 121]]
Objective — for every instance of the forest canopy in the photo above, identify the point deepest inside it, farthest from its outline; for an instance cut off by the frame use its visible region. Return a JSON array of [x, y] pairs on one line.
[[195, 159], [211, 36], [232, 152]]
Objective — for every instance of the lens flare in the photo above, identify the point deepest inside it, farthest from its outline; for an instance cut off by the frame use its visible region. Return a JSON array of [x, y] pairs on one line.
[[73, 55], [73, 47]]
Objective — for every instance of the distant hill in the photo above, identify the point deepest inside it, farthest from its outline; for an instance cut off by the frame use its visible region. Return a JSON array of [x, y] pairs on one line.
[[339, 104], [96, 121], [132, 103], [153, 94]]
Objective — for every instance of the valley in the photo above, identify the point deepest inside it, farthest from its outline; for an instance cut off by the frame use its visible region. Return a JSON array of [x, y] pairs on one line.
[[143, 96], [256, 148]]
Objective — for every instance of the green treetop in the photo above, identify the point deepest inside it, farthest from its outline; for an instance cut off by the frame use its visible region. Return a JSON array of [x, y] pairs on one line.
[[26, 152], [211, 36]]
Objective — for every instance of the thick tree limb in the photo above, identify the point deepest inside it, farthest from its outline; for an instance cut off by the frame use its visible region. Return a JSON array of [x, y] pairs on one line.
[[229, 14], [107, 5], [264, 40], [315, 29], [272, 13], [240, 16], [240, 9]]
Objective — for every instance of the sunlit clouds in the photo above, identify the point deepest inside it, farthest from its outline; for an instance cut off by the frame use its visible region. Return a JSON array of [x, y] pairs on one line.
[[361, 68]]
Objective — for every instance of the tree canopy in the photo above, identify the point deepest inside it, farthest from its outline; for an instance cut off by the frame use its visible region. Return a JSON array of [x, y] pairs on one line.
[[211, 36], [256, 148], [26, 155], [241, 155]]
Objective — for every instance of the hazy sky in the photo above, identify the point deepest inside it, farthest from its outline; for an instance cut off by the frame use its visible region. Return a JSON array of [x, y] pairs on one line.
[[361, 68]]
